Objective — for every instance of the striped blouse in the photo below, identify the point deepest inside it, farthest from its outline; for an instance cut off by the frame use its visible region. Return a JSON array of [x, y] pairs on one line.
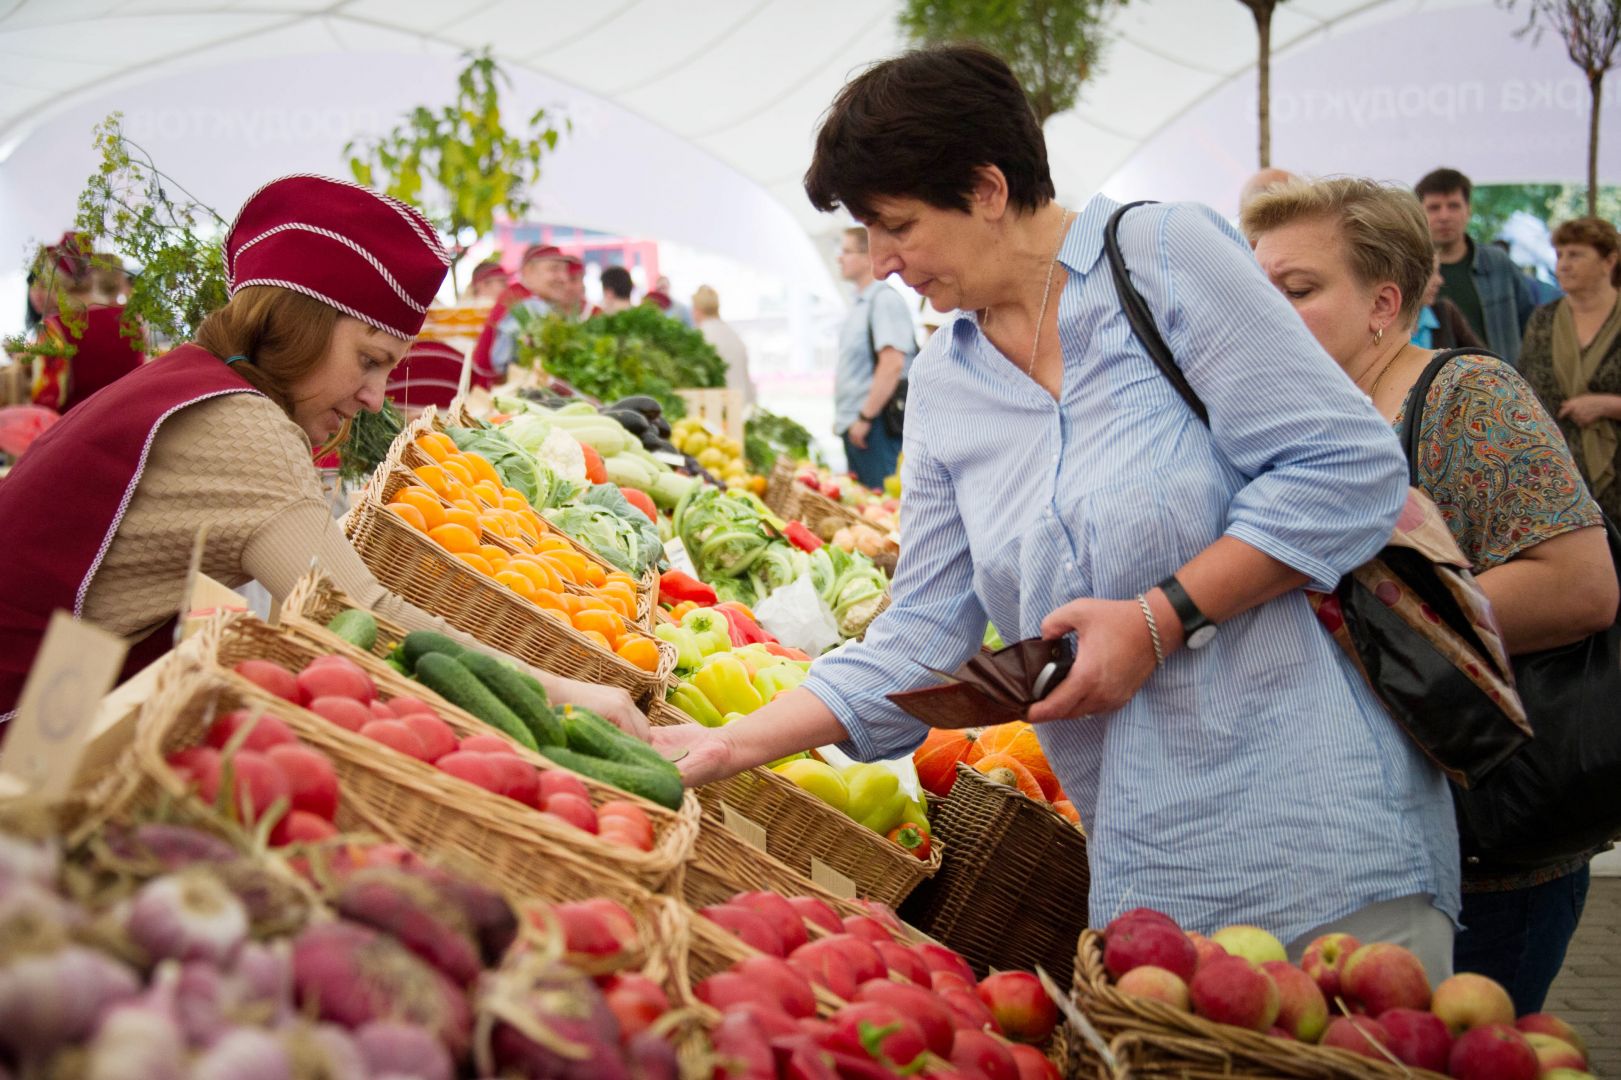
[[1256, 780]]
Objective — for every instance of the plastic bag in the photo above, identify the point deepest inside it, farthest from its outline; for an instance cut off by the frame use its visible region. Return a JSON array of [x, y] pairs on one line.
[[799, 618]]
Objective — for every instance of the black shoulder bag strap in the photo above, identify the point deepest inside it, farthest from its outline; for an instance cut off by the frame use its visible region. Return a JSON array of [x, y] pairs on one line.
[[1413, 412], [1142, 319]]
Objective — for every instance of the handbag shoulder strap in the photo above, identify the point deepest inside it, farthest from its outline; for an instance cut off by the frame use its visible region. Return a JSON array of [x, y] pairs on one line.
[[1141, 318], [1413, 411]]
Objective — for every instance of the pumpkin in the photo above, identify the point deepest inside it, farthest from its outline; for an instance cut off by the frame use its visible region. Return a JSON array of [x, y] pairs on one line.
[[1009, 770], [1067, 809], [936, 760], [1020, 741]]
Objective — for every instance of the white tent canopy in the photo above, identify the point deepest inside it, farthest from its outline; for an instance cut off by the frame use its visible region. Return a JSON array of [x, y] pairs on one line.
[[693, 119]]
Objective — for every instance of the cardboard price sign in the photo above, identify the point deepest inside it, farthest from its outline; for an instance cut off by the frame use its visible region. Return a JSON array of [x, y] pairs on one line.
[[77, 663], [750, 832], [831, 880]]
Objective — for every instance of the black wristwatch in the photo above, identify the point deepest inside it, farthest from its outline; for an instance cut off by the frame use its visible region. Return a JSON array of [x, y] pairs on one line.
[[865, 417], [1197, 630]]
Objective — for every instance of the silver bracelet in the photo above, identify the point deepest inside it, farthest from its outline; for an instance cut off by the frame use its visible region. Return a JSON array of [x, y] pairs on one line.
[[1153, 629]]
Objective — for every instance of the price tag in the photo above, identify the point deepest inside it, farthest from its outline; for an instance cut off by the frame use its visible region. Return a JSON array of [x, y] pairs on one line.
[[676, 552], [674, 461], [76, 664], [831, 880], [752, 833]]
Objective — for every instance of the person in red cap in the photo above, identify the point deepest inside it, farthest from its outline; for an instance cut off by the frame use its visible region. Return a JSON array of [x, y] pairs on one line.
[[541, 288], [574, 290], [82, 331], [329, 283], [489, 281]]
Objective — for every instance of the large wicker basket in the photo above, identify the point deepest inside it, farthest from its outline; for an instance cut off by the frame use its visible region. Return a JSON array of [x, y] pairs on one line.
[[1012, 892], [409, 564], [1151, 1039], [800, 827], [430, 810]]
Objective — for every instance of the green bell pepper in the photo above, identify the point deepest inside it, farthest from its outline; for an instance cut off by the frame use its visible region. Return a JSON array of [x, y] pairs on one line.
[[876, 800], [687, 653], [725, 682], [777, 679], [690, 700], [709, 629]]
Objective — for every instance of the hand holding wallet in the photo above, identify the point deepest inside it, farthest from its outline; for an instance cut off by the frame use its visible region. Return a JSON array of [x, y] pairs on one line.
[[992, 687]]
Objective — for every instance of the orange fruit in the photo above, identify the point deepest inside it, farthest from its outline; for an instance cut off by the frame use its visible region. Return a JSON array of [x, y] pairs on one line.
[[435, 477], [484, 472], [639, 651], [517, 583], [457, 539], [619, 577], [606, 623], [557, 614], [457, 467], [546, 598], [516, 503], [409, 514], [593, 574], [465, 518], [487, 491], [426, 502], [476, 561], [571, 564], [544, 575], [570, 602], [552, 542], [429, 444], [596, 639], [493, 555]]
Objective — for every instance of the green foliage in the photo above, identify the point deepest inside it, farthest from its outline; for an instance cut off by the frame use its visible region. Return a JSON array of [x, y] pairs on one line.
[[637, 351], [132, 208], [1493, 204], [459, 163], [768, 436], [1053, 46], [371, 434]]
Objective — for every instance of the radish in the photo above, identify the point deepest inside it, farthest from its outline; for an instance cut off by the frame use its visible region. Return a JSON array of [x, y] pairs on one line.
[[345, 712], [437, 738], [337, 681], [267, 731], [270, 676], [394, 734], [312, 784]]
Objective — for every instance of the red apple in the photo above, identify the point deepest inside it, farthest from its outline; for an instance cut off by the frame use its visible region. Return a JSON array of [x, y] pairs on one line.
[[1149, 941], [970, 1012], [1302, 1011], [1467, 1000], [939, 958], [877, 909], [788, 988], [1418, 1038], [941, 981], [1324, 960], [1205, 949], [1157, 984], [1493, 1052], [636, 1001], [752, 927], [1019, 1005], [818, 913], [1133, 915], [880, 1031], [1033, 1064], [779, 913], [1356, 1034], [1549, 1024], [1555, 1053], [867, 928], [1383, 976], [1231, 990], [924, 1007], [981, 1053], [827, 966], [904, 962], [726, 990]]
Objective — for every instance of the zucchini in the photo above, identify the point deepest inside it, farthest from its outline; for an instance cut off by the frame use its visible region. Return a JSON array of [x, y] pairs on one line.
[[588, 733], [662, 786], [419, 643], [358, 628], [527, 702], [446, 676]]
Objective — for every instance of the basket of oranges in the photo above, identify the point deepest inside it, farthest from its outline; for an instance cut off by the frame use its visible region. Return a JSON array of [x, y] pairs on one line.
[[473, 564]]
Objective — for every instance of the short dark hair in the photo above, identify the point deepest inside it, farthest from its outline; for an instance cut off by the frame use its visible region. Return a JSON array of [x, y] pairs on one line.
[[1444, 182], [1597, 234], [616, 280], [920, 125]]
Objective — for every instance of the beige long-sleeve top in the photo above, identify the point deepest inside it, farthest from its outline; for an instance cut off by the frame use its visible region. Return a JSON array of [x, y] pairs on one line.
[[237, 464]]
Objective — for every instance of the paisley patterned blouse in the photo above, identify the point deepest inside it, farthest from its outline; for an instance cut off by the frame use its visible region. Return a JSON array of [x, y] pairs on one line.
[[1495, 464]]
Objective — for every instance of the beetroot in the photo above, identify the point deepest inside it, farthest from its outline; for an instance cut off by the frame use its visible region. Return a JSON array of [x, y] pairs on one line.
[[350, 974], [416, 914]]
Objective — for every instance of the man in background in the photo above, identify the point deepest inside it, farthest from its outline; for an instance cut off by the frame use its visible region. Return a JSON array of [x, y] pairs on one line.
[[876, 343], [541, 288], [489, 281], [720, 335], [675, 309], [616, 287], [1495, 298]]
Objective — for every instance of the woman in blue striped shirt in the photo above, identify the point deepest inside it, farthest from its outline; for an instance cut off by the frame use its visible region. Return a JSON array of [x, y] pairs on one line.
[[1055, 483]]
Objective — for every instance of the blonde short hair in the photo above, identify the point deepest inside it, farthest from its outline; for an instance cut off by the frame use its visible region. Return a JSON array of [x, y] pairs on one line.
[[1386, 235], [706, 301]]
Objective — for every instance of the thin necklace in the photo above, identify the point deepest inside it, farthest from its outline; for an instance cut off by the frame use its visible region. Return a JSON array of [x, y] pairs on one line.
[[1374, 389], [1046, 292]]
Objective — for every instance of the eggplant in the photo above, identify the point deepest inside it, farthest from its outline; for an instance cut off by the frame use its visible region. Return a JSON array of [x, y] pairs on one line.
[[653, 445], [631, 420], [662, 425], [648, 407]]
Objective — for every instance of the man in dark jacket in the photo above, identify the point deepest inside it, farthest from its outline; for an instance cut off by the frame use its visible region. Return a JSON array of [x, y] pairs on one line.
[[1495, 298]]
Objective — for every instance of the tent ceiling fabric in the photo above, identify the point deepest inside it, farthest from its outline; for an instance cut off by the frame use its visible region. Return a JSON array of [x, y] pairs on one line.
[[743, 80]]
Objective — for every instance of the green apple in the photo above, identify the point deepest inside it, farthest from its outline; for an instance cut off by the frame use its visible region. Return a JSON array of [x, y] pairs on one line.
[[1251, 942]]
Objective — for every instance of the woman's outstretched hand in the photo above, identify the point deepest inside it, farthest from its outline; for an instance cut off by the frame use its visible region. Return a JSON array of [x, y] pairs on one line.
[[1114, 656], [702, 754]]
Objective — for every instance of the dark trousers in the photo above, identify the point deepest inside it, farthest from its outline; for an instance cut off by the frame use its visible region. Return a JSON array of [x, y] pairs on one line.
[[1518, 937], [877, 461]]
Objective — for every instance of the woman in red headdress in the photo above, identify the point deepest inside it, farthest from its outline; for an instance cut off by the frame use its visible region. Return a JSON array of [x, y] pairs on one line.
[[87, 348], [329, 283]]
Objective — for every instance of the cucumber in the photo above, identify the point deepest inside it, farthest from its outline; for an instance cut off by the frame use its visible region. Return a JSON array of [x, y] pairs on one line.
[[446, 676], [394, 662], [662, 786], [588, 733], [419, 643], [358, 628], [527, 702]]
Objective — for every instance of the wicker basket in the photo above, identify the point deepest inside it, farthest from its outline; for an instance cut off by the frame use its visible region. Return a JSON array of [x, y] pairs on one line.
[[800, 826], [1012, 892], [409, 564], [1151, 1039], [426, 808]]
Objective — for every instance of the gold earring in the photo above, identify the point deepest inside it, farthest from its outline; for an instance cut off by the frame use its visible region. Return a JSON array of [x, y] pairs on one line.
[[1379, 335]]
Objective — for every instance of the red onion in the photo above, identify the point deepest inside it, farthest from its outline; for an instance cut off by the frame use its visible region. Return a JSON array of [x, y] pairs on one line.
[[244, 1053], [392, 1048], [262, 982], [136, 1042], [22, 860], [187, 916], [322, 1050], [58, 997]]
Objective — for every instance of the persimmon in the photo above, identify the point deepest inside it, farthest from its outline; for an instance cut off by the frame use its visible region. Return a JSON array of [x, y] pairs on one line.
[[516, 582], [426, 502], [410, 515], [639, 651], [597, 639], [456, 539], [476, 561], [456, 465], [468, 520]]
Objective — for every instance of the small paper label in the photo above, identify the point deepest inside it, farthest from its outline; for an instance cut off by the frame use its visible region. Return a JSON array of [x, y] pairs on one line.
[[752, 833], [831, 880], [673, 460], [676, 552], [56, 715]]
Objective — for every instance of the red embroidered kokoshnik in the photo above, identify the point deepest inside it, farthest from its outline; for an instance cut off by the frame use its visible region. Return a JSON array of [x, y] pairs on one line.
[[62, 504]]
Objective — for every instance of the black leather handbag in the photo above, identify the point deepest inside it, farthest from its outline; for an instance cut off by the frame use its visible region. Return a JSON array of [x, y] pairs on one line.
[[1559, 795]]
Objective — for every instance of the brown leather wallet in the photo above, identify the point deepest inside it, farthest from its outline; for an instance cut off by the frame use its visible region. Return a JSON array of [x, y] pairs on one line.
[[992, 687]]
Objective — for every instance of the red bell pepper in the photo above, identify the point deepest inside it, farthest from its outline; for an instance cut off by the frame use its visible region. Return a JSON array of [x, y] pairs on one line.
[[787, 652], [801, 537], [744, 630], [912, 838], [676, 587]]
